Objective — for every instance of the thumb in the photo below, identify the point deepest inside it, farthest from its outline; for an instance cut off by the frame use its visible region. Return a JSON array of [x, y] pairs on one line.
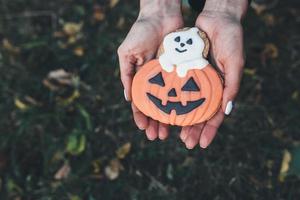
[[232, 73]]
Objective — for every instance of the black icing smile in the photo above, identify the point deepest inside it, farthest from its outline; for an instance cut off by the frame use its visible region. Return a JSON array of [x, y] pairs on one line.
[[177, 106], [180, 51]]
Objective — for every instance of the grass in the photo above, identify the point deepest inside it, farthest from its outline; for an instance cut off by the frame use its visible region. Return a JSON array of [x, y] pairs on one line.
[[73, 137]]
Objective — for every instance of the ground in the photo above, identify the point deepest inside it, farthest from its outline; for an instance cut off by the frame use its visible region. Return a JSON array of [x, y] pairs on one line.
[[67, 133]]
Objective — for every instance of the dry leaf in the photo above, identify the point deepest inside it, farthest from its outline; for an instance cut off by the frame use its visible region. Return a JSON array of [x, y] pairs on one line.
[[79, 51], [99, 13], [270, 51], [258, 8], [58, 74], [50, 85], [249, 71], [63, 172], [123, 150], [112, 171], [285, 164], [96, 166], [67, 101], [20, 105], [269, 19], [113, 3], [8, 46], [71, 28], [120, 23]]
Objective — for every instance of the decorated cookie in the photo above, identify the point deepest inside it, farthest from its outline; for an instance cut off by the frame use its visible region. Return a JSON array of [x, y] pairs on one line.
[[180, 87]]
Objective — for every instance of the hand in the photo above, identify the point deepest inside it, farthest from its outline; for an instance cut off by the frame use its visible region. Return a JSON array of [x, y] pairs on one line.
[[226, 36], [141, 44]]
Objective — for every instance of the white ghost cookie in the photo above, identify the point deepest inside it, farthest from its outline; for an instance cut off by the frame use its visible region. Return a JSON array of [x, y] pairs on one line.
[[183, 50]]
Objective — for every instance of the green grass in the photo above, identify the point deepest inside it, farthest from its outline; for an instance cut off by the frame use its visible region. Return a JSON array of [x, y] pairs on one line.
[[82, 123]]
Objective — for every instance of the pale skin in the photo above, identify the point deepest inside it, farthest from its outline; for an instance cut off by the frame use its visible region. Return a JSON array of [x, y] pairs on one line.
[[221, 20]]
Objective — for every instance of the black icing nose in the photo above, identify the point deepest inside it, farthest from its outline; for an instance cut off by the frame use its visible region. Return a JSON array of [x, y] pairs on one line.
[[172, 93], [182, 44]]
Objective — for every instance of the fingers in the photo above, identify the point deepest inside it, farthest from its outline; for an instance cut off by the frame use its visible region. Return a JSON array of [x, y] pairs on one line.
[[152, 130], [210, 129], [184, 132], [193, 136], [233, 75], [139, 118], [163, 131], [127, 72]]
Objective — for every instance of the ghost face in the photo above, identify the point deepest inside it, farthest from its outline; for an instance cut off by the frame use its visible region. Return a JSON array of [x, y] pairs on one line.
[[183, 46]]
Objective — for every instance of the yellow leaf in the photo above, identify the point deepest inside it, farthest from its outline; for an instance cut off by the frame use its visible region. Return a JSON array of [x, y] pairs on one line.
[[96, 166], [20, 105], [285, 164], [63, 172], [123, 150], [249, 71], [113, 3], [70, 99], [71, 28]]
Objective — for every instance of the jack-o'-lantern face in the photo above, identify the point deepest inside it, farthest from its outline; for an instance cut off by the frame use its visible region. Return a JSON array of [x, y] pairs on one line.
[[170, 99]]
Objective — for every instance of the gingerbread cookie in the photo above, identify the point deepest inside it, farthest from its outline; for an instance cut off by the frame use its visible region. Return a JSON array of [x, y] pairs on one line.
[[180, 87]]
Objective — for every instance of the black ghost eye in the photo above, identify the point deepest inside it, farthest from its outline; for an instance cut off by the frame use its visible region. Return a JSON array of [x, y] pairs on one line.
[[190, 41], [157, 79], [177, 39], [190, 85]]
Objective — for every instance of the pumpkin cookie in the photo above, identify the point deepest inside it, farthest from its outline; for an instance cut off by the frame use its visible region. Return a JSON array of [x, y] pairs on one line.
[[180, 87]]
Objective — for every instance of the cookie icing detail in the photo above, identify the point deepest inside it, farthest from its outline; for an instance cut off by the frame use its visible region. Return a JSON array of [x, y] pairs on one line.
[[183, 51]]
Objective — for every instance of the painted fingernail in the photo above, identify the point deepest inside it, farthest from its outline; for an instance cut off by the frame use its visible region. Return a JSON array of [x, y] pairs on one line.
[[228, 108], [125, 96]]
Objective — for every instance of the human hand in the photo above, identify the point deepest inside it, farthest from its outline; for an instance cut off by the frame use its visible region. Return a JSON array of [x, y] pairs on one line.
[[225, 32], [156, 19]]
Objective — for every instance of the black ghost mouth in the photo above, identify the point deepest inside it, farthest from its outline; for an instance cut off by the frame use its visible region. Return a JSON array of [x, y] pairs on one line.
[[180, 51], [177, 106]]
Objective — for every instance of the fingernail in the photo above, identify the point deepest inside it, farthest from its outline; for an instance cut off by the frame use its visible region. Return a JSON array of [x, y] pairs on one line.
[[125, 95], [203, 142], [228, 108]]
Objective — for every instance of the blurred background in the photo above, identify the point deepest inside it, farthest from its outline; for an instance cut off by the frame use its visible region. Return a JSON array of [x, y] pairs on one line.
[[67, 133]]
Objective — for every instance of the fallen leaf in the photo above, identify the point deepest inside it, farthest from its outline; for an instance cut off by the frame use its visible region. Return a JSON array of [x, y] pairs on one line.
[[120, 23], [20, 105], [258, 8], [71, 28], [9, 46], [113, 3], [269, 19], [99, 13], [270, 51], [112, 171], [123, 150], [63, 172], [96, 166], [58, 74], [76, 143], [79, 51], [285, 164], [250, 72]]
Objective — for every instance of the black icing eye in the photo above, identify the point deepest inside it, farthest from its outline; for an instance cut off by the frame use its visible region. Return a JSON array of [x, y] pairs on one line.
[[177, 39], [190, 41], [157, 79], [190, 85]]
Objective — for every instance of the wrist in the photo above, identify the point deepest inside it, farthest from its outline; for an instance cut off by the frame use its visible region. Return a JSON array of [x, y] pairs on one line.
[[159, 8], [232, 8], [165, 15]]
